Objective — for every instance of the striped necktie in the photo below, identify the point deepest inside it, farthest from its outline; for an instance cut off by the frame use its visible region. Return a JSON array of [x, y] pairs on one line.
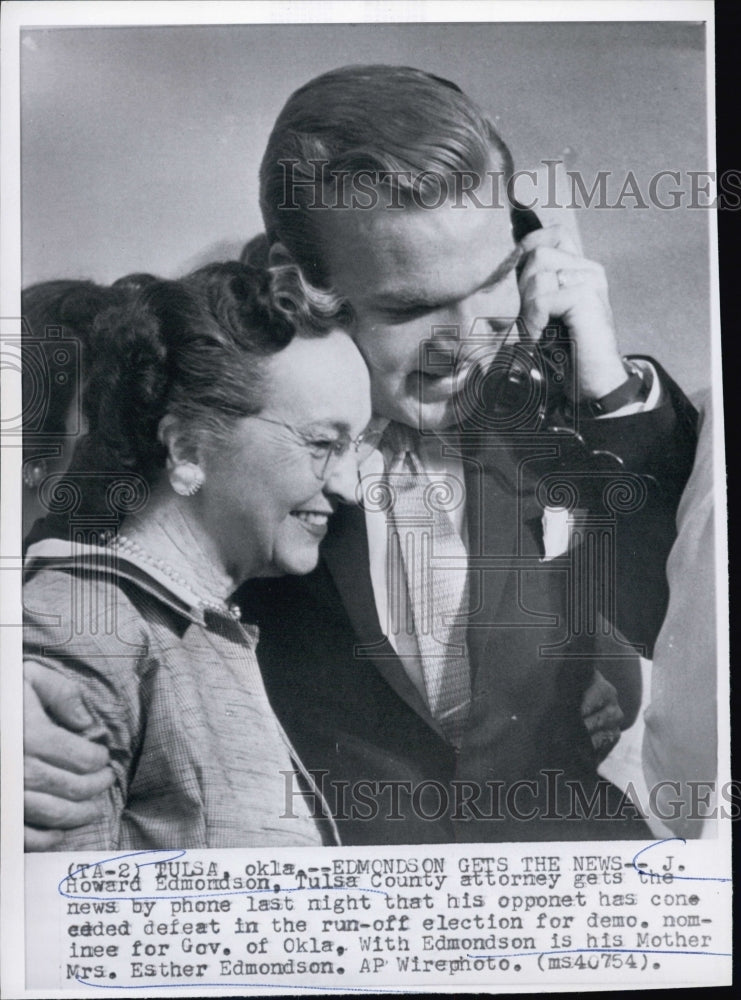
[[428, 581]]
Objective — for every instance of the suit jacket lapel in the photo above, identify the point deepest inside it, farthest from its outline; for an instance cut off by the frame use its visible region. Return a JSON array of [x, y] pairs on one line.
[[493, 527], [521, 605], [492, 532], [345, 553]]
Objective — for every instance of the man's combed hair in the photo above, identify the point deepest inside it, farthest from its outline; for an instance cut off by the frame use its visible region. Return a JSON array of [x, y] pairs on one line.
[[401, 124]]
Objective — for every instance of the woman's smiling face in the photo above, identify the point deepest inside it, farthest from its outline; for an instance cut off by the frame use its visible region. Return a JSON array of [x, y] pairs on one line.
[[265, 501]]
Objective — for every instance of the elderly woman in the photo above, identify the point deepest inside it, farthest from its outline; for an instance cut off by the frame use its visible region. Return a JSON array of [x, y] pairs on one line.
[[226, 419]]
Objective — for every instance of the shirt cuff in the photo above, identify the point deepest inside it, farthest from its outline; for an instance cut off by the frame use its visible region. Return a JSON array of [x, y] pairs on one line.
[[641, 406]]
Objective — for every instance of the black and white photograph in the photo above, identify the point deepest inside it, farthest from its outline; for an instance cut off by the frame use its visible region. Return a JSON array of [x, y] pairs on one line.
[[364, 520]]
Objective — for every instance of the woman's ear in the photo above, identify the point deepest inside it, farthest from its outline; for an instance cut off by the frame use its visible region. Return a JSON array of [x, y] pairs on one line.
[[280, 254], [183, 463]]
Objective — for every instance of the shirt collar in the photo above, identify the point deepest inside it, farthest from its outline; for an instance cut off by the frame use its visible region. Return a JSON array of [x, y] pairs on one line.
[[61, 553]]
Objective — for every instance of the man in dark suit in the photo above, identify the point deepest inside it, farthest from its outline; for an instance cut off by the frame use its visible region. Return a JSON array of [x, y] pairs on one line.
[[376, 181], [379, 182]]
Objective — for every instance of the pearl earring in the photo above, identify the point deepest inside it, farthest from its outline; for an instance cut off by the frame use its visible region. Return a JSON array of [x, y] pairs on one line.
[[186, 480], [34, 472]]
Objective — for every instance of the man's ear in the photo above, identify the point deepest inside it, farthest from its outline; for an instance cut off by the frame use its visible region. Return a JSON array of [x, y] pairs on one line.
[[280, 254]]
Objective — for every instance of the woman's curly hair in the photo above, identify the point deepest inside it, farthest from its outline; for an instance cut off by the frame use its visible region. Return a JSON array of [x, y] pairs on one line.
[[196, 348]]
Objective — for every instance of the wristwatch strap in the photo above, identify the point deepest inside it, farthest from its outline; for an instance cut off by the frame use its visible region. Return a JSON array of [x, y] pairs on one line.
[[634, 389]]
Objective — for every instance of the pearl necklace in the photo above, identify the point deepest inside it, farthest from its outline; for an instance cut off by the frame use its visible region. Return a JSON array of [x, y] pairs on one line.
[[206, 599]]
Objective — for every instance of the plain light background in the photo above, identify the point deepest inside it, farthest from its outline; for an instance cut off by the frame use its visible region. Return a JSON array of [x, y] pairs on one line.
[[141, 146]]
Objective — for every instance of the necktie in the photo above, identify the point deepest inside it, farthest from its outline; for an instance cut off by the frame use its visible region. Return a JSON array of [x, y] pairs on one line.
[[428, 585]]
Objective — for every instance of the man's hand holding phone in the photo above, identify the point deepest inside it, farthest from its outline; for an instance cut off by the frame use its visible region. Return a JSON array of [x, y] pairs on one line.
[[557, 283]]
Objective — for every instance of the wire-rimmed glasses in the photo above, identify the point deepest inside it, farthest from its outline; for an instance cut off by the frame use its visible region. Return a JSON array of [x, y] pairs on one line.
[[326, 452]]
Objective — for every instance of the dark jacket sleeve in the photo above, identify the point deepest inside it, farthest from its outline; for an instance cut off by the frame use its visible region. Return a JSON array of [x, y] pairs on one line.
[[657, 448]]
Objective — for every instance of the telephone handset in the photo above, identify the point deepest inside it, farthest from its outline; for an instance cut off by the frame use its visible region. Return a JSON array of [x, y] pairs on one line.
[[528, 381], [532, 386]]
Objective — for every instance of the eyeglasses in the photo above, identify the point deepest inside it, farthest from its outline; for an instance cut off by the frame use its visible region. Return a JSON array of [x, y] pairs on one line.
[[327, 452]]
